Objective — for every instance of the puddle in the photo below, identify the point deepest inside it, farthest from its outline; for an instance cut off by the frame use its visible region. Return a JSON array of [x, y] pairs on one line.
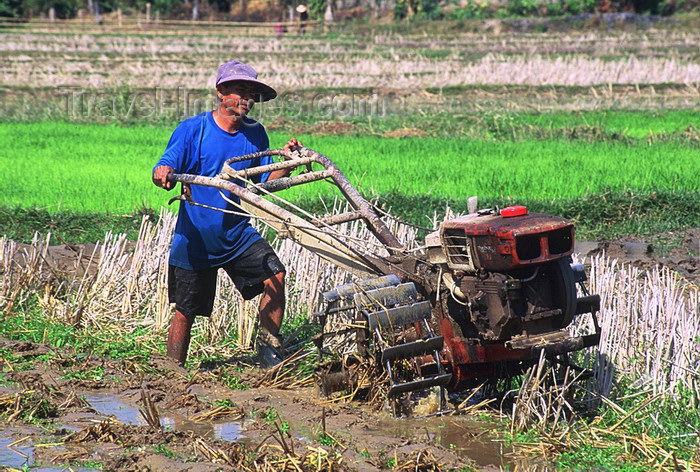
[[231, 431], [108, 405], [462, 435], [10, 458]]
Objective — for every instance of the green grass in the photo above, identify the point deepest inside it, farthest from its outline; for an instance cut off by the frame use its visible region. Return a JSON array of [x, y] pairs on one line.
[[607, 215], [232, 381], [164, 450], [532, 169], [27, 322], [672, 421], [615, 172], [602, 440], [64, 166], [106, 169], [67, 226], [95, 373], [631, 124]]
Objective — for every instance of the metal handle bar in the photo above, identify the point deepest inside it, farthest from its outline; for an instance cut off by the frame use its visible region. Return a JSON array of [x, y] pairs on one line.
[[303, 156], [302, 231]]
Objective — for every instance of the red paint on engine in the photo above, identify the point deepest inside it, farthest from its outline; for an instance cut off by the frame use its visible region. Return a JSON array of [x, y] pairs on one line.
[[501, 244], [515, 210]]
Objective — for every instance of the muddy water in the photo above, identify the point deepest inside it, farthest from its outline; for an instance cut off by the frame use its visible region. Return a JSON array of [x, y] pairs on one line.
[[17, 456], [109, 405], [22, 456], [455, 440], [468, 438]]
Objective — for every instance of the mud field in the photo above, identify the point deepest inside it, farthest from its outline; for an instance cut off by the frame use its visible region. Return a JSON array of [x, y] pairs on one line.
[[683, 258], [94, 412], [60, 407]]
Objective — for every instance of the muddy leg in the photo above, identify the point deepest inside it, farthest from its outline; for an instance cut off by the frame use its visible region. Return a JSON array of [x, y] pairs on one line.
[[272, 304], [179, 337]]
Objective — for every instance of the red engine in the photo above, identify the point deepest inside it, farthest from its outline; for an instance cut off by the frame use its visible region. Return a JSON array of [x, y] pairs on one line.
[[494, 242], [510, 289], [496, 290]]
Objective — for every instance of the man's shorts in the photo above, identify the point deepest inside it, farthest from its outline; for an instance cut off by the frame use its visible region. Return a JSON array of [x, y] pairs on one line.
[[193, 291]]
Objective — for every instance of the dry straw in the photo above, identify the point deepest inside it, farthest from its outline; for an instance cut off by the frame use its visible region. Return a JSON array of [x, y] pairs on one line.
[[386, 61], [123, 284], [650, 324], [411, 73]]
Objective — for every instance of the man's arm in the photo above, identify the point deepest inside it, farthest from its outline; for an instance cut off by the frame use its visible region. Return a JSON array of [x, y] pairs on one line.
[[174, 158], [292, 144]]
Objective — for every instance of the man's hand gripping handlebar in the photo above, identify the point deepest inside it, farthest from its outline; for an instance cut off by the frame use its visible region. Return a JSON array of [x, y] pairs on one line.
[[164, 176], [161, 177]]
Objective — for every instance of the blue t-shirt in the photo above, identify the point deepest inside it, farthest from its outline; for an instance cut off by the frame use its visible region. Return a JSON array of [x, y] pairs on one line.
[[206, 238]]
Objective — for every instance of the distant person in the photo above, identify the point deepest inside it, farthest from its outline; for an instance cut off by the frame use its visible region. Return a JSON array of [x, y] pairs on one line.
[[206, 240], [279, 31], [303, 18]]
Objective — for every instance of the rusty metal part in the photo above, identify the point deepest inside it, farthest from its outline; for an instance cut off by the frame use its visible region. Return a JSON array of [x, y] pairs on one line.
[[305, 156], [471, 359], [340, 218], [501, 244]]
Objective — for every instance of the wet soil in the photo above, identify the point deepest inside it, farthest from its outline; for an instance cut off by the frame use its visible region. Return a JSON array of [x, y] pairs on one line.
[[59, 407], [679, 251]]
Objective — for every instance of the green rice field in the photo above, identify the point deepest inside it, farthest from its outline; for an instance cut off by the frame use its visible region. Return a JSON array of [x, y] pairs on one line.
[[599, 126], [102, 168]]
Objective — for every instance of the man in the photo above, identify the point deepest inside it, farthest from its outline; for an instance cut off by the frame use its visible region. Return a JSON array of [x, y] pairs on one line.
[[205, 239]]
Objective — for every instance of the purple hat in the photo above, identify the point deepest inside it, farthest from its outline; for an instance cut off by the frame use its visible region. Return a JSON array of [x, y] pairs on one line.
[[238, 71]]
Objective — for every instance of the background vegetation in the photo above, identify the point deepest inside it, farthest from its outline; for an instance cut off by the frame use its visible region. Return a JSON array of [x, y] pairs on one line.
[[598, 124], [399, 9], [594, 118]]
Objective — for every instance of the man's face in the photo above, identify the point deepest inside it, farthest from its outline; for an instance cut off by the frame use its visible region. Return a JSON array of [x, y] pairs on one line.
[[237, 98]]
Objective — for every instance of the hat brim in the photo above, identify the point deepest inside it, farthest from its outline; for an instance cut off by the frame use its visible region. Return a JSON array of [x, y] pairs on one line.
[[265, 92]]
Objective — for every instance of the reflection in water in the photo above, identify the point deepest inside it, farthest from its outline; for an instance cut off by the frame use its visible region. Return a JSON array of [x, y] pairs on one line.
[[21, 456], [17, 457], [228, 431], [467, 437], [108, 405]]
